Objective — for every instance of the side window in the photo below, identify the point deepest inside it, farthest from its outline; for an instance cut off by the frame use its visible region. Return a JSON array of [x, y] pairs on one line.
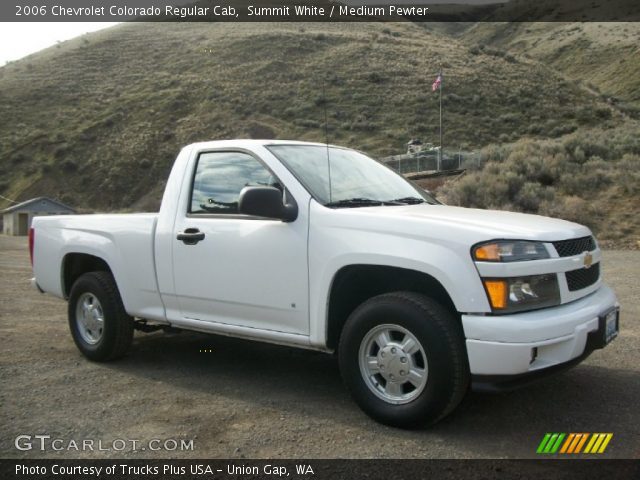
[[219, 178]]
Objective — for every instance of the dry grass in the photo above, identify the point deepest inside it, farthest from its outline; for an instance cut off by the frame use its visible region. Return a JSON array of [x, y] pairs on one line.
[[97, 121], [604, 57], [591, 177]]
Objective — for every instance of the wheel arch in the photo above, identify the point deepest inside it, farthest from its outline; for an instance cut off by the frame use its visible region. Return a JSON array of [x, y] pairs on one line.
[[74, 265], [354, 284]]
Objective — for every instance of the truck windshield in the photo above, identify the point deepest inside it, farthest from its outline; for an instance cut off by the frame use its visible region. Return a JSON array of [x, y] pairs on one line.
[[339, 177]]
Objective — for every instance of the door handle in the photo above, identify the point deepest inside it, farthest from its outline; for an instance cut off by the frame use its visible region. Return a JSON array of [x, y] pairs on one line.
[[190, 236]]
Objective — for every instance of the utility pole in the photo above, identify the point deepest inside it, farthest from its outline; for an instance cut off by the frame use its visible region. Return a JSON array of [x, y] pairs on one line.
[[440, 151], [438, 85]]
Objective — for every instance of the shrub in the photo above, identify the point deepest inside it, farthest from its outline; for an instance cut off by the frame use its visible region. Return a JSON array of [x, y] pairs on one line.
[[510, 58], [561, 130], [572, 208], [320, 100], [18, 158], [374, 77], [576, 179], [60, 152], [69, 166], [508, 118], [531, 195], [308, 123]]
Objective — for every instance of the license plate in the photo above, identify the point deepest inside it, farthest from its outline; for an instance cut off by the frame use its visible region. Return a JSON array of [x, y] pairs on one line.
[[611, 325]]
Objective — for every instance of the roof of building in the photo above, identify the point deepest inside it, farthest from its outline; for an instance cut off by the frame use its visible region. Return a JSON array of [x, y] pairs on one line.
[[26, 203]]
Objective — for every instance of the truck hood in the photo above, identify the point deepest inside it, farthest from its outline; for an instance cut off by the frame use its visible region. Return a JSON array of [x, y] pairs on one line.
[[473, 224]]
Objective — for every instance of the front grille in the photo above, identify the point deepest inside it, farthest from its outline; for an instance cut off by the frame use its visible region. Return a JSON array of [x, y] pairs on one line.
[[583, 277], [575, 246]]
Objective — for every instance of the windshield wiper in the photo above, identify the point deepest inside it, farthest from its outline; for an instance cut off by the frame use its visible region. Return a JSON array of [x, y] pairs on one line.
[[360, 202], [409, 200]]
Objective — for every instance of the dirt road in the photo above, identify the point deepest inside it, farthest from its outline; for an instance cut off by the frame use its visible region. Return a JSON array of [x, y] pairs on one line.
[[245, 399]]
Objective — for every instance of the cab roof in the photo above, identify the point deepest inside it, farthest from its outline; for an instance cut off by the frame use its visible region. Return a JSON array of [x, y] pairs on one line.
[[249, 143]]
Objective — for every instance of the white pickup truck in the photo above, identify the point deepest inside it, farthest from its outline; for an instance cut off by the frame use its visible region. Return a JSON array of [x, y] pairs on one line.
[[321, 247]]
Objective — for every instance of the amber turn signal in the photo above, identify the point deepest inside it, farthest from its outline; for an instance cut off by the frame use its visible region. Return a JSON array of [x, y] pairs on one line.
[[489, 252], [497, 292]]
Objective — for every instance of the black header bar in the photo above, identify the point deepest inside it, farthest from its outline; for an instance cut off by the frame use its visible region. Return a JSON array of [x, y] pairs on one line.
[[240, 469], [320, 10]]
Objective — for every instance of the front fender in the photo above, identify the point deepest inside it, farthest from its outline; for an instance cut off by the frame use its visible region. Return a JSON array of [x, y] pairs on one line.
[[331, 248]]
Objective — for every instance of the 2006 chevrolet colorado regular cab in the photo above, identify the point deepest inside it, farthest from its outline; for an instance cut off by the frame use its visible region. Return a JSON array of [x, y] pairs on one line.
[[321, 247]]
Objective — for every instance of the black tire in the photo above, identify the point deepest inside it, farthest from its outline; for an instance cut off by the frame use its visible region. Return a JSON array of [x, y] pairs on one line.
[[117, 327], [441, 336]]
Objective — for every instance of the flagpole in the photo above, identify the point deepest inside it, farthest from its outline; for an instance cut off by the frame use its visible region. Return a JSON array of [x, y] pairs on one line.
[[440, 151]]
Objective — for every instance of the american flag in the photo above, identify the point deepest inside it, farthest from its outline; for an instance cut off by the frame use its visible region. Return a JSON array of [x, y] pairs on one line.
[[436, 83]]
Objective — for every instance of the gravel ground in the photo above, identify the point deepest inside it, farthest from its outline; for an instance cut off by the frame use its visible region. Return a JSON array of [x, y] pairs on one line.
[[249, 400]]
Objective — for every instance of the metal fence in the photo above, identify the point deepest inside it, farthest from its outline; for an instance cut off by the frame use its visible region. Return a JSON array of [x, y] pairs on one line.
[[428, 161]]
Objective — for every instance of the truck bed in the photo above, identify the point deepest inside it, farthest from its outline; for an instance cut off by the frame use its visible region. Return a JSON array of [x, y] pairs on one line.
[[122, 240]]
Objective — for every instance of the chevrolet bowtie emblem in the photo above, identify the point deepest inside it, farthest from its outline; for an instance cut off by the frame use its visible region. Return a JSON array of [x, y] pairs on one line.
[[588, 260]]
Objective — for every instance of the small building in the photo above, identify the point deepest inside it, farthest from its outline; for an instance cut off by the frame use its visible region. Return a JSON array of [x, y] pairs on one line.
[[17, 218]]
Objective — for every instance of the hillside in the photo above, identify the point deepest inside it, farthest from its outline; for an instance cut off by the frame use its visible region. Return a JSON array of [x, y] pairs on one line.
[[604, 57], [96, 122], [591, 177]]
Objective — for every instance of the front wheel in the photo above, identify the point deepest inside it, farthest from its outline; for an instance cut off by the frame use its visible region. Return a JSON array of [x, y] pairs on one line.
[[403, 358], [100, 326]]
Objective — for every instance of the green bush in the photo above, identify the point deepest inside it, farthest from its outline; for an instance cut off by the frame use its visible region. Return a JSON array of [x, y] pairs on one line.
[[572, 208], [69, 166], [375, 77], [574, 178]]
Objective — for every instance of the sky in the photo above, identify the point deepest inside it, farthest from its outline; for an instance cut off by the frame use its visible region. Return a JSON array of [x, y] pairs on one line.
[[20, 39]]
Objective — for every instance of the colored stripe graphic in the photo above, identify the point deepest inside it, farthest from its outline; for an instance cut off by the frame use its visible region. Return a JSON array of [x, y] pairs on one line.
[[556, 446], [605, 443], [567, 443], [598, 442], [550, 443], [581, 443], [590, 444], [573, 443], [543, 443], [577, 438]]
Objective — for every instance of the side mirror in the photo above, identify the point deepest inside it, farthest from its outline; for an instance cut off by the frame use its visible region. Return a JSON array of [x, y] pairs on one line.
[[266, 202]]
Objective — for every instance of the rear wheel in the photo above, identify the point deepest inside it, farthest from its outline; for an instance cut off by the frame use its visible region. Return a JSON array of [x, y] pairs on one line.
[[403, 358], [99, 324]]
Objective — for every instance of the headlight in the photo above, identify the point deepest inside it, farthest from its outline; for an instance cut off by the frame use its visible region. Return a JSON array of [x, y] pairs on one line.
[[508, 295], [509, 251]]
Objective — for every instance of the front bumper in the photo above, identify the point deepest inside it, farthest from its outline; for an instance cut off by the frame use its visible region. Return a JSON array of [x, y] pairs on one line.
[[532, 343]]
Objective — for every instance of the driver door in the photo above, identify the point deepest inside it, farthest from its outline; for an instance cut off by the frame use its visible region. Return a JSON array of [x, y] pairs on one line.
[[235, 269]]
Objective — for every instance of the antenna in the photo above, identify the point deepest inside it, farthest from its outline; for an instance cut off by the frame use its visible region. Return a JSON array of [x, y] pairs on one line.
[[326, 132]]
